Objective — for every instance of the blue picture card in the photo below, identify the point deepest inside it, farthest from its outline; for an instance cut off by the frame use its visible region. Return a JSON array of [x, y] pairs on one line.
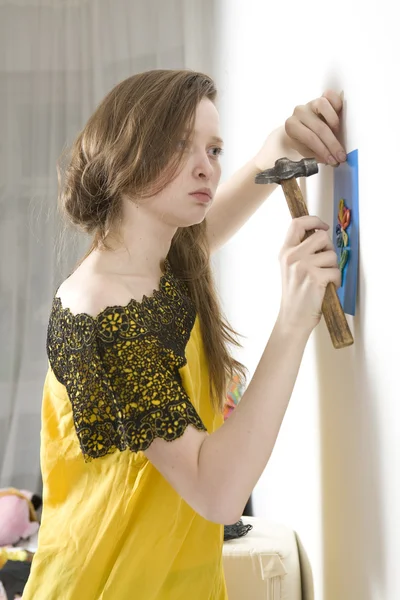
[[346, 229]]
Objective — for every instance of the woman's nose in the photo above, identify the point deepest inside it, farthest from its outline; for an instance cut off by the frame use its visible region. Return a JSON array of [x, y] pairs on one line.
[[203, 167]]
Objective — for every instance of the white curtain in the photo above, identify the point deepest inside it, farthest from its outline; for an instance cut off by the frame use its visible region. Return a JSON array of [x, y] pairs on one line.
[[58, 59]]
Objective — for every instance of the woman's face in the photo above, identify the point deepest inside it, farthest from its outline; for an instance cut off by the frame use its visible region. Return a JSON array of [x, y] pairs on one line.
[[177, 204]]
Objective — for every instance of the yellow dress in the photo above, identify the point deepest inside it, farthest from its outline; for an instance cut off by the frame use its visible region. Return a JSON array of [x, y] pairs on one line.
[[112, 527]]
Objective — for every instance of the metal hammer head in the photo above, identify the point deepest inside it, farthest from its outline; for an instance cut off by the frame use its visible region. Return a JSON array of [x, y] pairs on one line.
[[287, 169]]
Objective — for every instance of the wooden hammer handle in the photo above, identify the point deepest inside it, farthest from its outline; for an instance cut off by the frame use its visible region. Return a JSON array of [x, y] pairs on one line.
[[332, 310]]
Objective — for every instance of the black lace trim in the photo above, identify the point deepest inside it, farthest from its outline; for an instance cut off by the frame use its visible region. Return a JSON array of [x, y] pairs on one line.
[[121, 369]]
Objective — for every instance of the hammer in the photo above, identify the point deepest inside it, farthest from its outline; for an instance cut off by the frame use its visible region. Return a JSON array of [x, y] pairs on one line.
[[285, 173]]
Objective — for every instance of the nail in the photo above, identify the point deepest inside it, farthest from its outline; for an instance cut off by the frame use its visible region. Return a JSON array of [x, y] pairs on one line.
[[331, 160], [341, 95], [342, 156]]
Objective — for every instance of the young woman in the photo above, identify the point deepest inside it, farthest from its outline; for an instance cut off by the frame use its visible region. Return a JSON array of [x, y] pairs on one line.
[[134, 451]]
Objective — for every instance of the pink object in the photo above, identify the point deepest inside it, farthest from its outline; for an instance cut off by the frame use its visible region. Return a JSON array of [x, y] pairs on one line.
[[18, 518]]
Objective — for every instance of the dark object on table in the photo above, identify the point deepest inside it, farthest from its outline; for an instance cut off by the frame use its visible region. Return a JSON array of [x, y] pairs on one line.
[[237, 530]]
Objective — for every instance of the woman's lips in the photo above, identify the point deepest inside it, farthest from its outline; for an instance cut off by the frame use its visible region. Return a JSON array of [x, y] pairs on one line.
[[202, 197]]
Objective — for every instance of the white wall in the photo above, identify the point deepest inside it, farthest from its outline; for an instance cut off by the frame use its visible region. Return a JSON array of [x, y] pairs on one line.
[[335, 472]]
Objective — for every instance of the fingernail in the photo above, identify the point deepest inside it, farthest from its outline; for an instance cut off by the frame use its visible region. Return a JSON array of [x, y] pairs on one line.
[[341, 95], [342, 156], [331, 160]]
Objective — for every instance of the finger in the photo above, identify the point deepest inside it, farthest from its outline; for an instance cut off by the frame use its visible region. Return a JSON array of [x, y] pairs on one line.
[[330, 275], [300, 226], [304, 150], [324, 260], [317, 242], [322, 138], [335, 99], [305, 136], [325, 111]]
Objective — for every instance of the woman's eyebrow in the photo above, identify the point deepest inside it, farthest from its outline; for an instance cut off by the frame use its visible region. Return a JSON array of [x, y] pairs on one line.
[[214, 138], [217, 139]]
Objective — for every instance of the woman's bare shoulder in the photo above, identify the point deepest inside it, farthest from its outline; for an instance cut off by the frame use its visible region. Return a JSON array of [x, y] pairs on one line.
[[91, 292]]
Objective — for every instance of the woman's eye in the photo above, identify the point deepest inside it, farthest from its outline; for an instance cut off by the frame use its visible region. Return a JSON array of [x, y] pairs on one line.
[[217, 151]]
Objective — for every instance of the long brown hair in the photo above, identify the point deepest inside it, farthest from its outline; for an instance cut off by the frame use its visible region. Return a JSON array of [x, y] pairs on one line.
[[129, 146]]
